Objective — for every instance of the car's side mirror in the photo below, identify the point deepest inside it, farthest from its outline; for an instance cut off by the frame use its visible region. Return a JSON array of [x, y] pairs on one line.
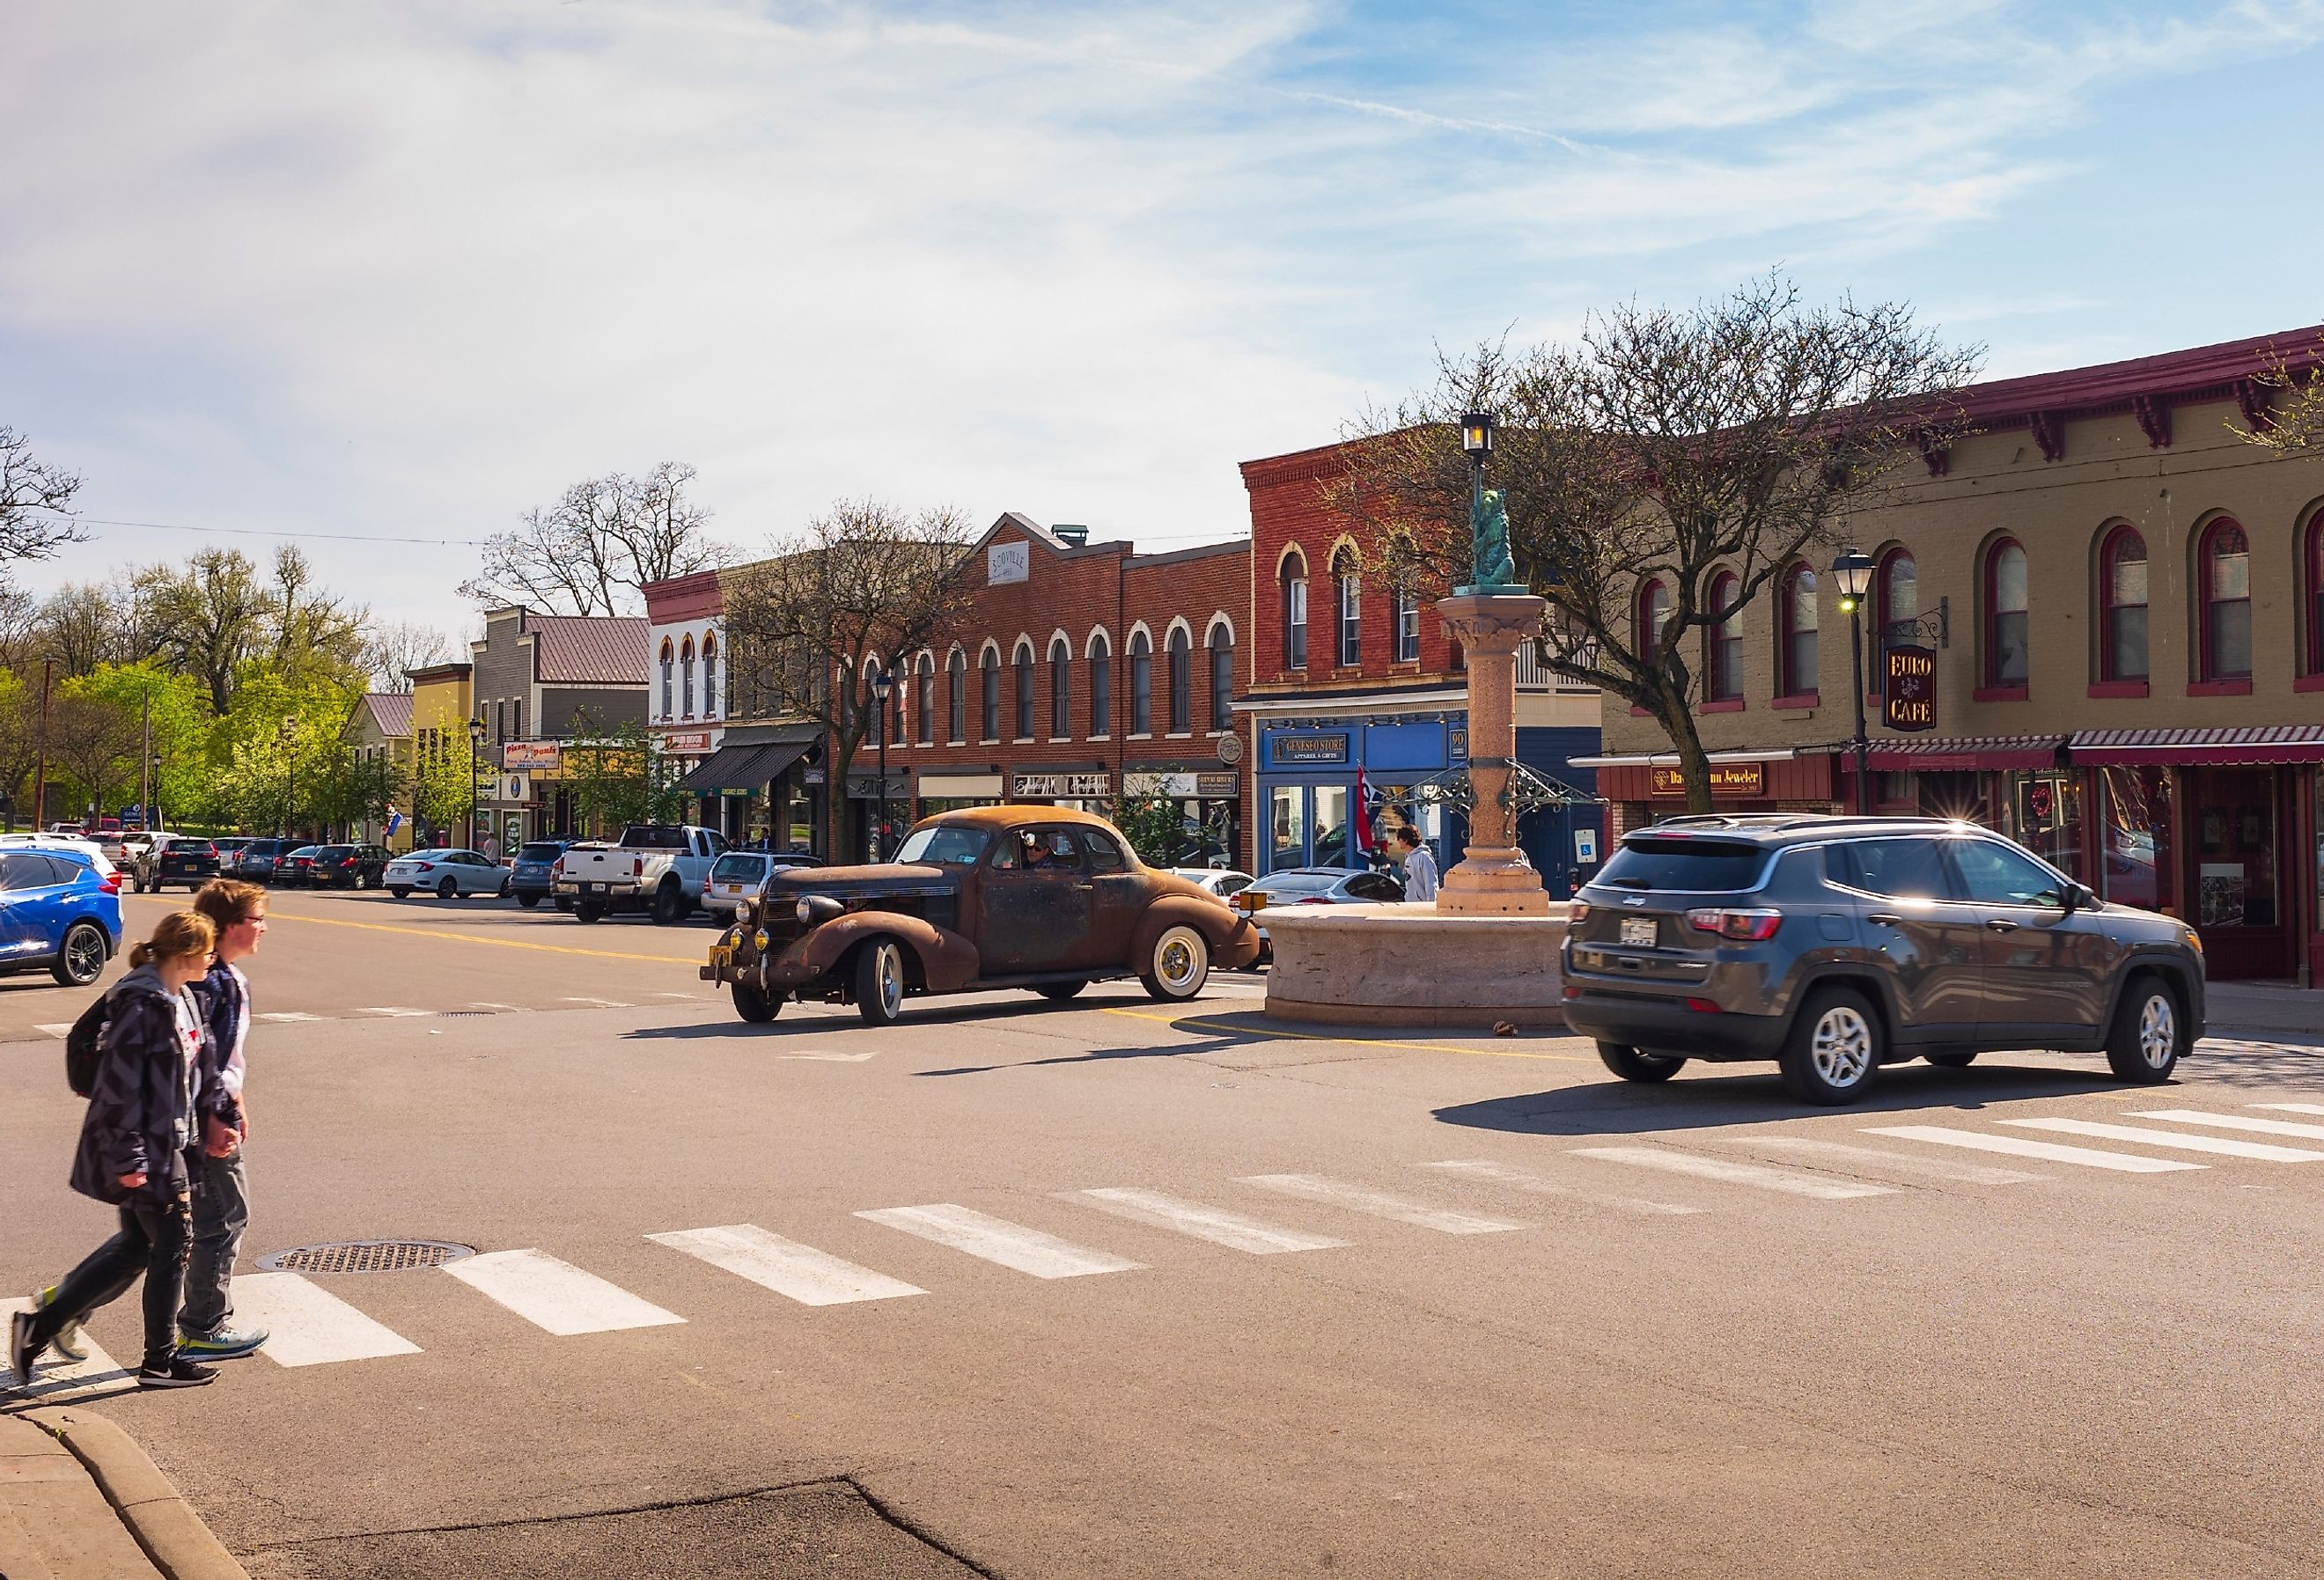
[[2079, 897]]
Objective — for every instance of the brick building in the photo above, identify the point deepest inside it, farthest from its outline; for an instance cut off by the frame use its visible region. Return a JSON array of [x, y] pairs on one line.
[[1355, 683], [542, 680], [2122, 605]]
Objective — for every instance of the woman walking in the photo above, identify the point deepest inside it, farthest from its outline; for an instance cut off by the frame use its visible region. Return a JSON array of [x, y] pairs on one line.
[[135, 1153]]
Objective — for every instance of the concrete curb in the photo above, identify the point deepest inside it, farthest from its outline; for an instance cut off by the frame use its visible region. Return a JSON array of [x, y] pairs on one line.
[[163, 1523]]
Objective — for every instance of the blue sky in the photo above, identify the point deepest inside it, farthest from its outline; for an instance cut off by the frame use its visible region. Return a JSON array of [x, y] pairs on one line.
[[408, 268]]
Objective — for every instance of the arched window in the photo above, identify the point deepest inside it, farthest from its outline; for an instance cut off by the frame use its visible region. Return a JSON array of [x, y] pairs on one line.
[[685, 677], [1348, 602], [1653, 608], [1407, 625], [710, 677], [2122, 610], [992, 700], [924, 694], [667, 695], [2005, 633], [1723, 641], [957, 698], [2312, 566], [1798, 658], [2226, 562], [1101, 666], [1141, 684], [1181, 648], [1221, 678], [1023, 659], [1294, 611], [1061, 688], [875, 718], [1896, 598]]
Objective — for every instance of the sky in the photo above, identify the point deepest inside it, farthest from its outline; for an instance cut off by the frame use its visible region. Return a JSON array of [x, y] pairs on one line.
[[402, 269]]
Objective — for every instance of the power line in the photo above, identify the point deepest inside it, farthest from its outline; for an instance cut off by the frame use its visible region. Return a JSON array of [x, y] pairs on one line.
[[253, 531]]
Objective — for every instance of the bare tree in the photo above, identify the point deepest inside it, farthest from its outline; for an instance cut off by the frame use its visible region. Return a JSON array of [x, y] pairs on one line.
[[1667, 444], [311, 622], [34, 497], [216, 607], [2293, 385], [593, 550], [79, 626], [393, 649], [859, 592], [95, 742]]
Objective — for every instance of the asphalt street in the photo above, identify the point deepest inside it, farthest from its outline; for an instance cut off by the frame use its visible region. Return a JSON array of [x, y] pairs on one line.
[[1115, 1290]]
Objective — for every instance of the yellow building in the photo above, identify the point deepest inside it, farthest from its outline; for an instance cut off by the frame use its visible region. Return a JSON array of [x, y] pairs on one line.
[[443, 701], [380, 729]]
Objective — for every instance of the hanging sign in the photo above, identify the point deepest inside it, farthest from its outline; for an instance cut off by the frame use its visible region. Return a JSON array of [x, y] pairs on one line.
[[1908, 688], [1320, 748], [529, 754]]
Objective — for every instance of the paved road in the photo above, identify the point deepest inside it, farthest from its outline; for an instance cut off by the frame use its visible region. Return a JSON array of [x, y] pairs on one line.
[[1105, 1289]]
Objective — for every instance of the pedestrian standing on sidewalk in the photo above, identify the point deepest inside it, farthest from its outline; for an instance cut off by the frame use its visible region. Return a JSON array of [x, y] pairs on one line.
[[1419, 864], [135, 1152], [222, 1206]]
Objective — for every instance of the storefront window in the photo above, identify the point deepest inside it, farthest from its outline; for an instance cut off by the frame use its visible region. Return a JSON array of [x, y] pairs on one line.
[[2048, 808], [1286, 834], [2134, 840], [1330, 845], [2232, 819]]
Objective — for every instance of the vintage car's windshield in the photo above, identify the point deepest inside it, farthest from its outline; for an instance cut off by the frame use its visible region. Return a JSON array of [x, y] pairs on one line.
[[951, 847]]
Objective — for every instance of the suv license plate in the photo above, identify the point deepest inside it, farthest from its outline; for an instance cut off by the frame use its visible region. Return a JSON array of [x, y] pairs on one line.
[[1638, 929]]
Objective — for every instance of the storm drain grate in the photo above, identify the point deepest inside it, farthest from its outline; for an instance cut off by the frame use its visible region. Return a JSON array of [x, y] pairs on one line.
[[366, 1256]]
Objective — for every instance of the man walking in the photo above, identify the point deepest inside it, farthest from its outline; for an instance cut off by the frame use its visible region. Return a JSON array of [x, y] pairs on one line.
[[1419, 866], [222, 1206]]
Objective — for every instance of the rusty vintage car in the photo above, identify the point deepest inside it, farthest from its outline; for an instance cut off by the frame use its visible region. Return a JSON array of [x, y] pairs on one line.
[[995, 897]]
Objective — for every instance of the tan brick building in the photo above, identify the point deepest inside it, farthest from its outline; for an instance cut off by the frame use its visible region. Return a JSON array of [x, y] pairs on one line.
[[2125, 606]]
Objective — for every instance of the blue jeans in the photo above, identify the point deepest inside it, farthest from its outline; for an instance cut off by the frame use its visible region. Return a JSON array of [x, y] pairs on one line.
[[221, 1213]]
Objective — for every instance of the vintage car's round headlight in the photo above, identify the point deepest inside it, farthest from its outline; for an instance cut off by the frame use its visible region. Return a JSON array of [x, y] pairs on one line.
[[804, 912], [742, 912], [759, 939]]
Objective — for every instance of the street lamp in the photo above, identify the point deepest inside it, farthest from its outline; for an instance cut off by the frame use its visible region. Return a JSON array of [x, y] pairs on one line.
[[883, 684], [1851, 573], [475, 739], [1477, 439], [288, 735]]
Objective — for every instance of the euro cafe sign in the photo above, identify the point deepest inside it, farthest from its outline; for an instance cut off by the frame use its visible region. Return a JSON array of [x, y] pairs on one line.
[[1726, 779], [1908, 688]]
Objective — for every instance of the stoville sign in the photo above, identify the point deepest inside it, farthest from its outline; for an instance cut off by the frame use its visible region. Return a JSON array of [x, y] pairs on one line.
[[1908, 688]]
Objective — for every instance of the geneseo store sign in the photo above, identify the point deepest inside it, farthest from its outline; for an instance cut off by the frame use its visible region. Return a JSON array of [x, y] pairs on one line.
[[1330, 747], [1739, 779], [1909, 688]]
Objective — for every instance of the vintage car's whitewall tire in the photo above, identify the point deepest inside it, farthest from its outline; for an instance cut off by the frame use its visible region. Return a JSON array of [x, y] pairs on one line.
[[880, 982], [1178, 966]]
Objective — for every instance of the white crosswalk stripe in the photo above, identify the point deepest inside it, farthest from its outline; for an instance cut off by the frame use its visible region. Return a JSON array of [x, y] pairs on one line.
[[2027, 1147], [2265, 1152], [2292, 1107], [55, 1028], [556, 1295], [1215, 1225], [1379, 1204], [394, 1011], [1757, 1176], [52, 1374], [2272, 1127], [997, 1240], [808, 1276], [489, 1004], [308, 1325], [287, 1017], [601, 1003], [1840, 1155], [1542, 1184]]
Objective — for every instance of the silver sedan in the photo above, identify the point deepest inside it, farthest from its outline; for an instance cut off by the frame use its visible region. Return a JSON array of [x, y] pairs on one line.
[[446, 873]]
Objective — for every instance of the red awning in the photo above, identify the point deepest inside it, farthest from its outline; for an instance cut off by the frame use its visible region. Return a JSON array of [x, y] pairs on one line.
[[1889, 755], [2256, 743]]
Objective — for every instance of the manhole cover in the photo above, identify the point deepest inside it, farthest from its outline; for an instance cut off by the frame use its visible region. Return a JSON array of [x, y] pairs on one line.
[[366, 1256]]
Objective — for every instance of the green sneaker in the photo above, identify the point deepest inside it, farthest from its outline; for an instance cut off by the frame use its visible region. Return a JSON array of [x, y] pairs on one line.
[[67, 1342], [225, 1344]]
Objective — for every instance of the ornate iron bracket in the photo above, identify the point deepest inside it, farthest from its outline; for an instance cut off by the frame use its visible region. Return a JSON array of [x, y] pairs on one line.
[[1937, 627], [1527, 789]]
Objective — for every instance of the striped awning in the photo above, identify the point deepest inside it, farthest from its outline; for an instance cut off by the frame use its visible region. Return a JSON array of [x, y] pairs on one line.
[[1942, 754], [2222, 747]]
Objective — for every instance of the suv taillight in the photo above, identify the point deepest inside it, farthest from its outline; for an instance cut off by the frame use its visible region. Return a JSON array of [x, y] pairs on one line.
[[1745, 925], [113, 882], [1574, 916]]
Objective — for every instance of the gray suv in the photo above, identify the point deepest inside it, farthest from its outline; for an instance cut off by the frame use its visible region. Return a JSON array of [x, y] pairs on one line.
[[1834, 945]]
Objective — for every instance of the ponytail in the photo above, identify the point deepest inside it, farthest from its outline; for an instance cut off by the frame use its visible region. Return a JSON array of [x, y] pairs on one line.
[[179, 933]]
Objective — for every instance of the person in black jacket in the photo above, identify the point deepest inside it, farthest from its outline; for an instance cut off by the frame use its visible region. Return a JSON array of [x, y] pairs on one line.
[[222, 1205], [137, 1147]]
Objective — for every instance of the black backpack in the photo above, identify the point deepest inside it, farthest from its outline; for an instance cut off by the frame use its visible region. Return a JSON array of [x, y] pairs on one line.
[[84, 1046]]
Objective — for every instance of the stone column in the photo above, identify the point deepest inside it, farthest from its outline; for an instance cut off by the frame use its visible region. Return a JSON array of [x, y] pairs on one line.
[[1493, 878]]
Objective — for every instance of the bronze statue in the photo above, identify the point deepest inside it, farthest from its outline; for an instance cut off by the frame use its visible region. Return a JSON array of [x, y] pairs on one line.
[[1490, 565]]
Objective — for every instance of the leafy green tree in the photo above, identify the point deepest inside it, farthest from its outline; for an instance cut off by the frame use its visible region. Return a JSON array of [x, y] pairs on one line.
[[621, 776], [1154, 825], [183, 727]]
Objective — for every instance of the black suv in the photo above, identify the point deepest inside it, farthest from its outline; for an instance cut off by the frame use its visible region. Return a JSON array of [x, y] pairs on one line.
[[1836, 945]]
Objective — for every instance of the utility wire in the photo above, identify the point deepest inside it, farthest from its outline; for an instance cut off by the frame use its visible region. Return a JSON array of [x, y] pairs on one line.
[[251, 532]]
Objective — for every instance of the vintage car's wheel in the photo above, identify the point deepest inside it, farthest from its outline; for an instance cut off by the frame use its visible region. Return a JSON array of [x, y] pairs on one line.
[[880, 982], [1059, 991], [1179, 964], [755, 1005], [669, 905]]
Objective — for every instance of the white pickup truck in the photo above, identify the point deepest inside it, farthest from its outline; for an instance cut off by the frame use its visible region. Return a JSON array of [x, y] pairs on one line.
[[656, 867]]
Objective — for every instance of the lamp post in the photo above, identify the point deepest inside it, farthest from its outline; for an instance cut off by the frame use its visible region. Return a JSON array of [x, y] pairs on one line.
[[1477, 439], [40, 772], [475, 740], [288, 735], [883, 684], [1851, 573]]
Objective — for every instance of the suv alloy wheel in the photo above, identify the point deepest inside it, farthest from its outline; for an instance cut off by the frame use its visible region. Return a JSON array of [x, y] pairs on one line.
[[2146, 1040], [1834, 1048]]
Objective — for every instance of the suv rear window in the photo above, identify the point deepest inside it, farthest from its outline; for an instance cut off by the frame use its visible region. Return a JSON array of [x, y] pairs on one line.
[[739, 868], [1694, 867], [539, 853]]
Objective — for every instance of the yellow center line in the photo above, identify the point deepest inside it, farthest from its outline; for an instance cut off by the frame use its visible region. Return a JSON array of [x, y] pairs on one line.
[[1272, 1035], [274, 916]]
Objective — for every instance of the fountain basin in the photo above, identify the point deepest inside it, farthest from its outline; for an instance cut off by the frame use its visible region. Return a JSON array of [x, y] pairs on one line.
[[1414, 966]]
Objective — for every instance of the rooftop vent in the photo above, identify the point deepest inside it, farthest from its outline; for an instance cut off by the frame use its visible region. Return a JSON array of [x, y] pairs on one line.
[[1077, 536]]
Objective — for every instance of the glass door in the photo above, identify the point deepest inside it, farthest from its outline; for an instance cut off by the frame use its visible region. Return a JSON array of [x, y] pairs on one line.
[[2236, 897]]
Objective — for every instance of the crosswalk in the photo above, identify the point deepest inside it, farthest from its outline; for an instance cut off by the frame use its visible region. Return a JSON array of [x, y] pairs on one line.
[[320, 1321]]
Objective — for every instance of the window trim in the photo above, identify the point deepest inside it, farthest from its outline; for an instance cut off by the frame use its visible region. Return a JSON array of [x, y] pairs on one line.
[[1790, 689], [2216, 682], [1715, 639], [957, 698], [1179, 671], [1648, 627], [1347, 611], [1291, 582], [1061, 688], [1141, 683], [989, 697], [1026, 694], [2312, 601], [2109, 609], [1222, 676], [1995, 689]]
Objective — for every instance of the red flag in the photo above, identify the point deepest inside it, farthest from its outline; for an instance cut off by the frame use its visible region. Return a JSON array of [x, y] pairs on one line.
[[1362, 820]]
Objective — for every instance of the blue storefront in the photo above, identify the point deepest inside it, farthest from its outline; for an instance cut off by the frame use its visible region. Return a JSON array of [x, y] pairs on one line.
[[1309, 770]]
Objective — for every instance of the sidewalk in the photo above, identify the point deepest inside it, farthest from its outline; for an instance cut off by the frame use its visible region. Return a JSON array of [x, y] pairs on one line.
[[2245, 1008], [81, 1500]]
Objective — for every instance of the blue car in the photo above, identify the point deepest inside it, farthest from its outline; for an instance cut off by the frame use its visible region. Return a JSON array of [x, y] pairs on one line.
[[529, 874], [58, 909]]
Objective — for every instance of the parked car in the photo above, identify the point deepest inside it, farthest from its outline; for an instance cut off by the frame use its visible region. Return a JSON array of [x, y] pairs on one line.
[[255, 862], [1223, 882], [741, 874], [1834, 945], [655, 867], [173, 858], [531, 874], [295, 867], [1313, 886], [71, 842], [1033, 897], [59, 911], [348, 866], [447, 873]]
